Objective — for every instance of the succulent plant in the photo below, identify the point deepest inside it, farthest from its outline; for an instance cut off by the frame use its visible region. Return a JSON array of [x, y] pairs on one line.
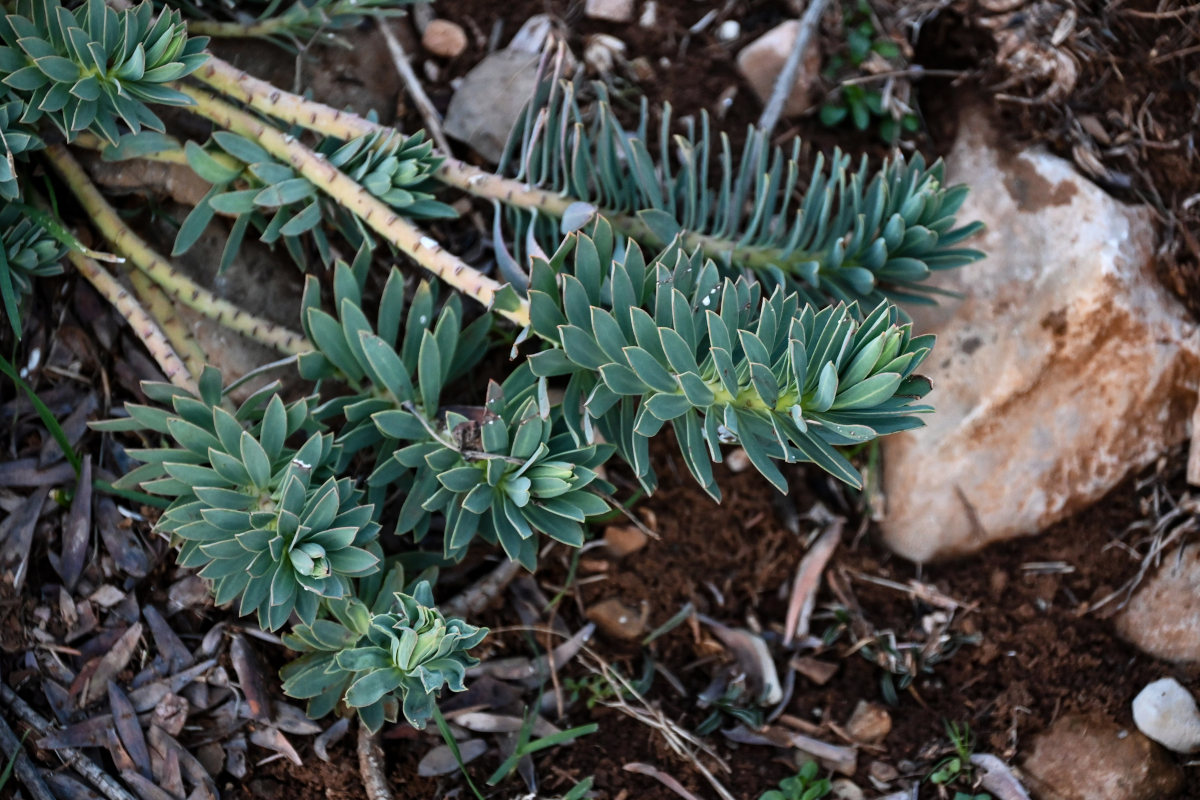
[[380, 660], [269, 525], [95, 68], [27, 251]]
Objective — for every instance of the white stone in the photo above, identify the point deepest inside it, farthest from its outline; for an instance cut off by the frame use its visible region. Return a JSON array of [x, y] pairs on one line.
[[761, 61], [1065, 367], [729, 30], [1167, 713], [611, 10]]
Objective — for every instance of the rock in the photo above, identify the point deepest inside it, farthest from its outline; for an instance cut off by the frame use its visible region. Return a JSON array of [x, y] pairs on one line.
[[444, 38], [1090, 757], [1163, 616], [882, 772], [761, 61], [1065, 367], [1167, 713], [490, 100], [621, 540], [611, 10], [649, 17], [737, 460], [845, 789], [617, 620], [869, 723]]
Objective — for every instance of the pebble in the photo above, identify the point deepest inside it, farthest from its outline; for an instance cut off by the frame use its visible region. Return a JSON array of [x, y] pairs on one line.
[[870, 723], [1166, 712], [611, 10], [1163, 616], [846, 789], [617, 620], [444, 38], [1091, 757], [649, 17], [761, 61], [621, 540], [737, 460], [882, 771], [729, 30]]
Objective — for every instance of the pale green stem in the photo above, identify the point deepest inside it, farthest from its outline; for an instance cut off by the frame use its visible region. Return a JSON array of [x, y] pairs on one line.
[[191, 294], [385, 221], [142, 323]]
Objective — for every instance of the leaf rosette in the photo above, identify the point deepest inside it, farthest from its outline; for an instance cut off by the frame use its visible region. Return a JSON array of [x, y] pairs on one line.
[[267, 524], [392, 657], [95, 68]]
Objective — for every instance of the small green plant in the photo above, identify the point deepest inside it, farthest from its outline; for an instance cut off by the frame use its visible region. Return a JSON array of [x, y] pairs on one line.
[[804, 785], [956, 768], [859, 103]]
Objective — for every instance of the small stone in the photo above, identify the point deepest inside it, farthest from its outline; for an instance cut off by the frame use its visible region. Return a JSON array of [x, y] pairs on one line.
[[846, 789], [617, 620], [621, 540], [761, 61], [728, 30], [1167, 713], [882, 771], [869, 724], [737, 460], [1163, 616], [610, 10], [649, 17], [444, 39], [1091, 757]]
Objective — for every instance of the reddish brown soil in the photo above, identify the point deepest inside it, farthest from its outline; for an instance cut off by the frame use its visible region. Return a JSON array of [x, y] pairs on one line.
[[1038, 658]]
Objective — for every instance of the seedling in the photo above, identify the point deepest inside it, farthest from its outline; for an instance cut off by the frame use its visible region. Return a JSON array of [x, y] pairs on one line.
[[804, 785], [862, 103], [956, 768]]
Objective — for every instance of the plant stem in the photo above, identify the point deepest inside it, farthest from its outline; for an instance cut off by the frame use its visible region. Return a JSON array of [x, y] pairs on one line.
[[141, 322], [326, 120], [407, 237], [191, 294], [263, 29], [159, 305]]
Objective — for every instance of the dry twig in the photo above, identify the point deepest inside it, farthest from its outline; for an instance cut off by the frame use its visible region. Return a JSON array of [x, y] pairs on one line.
[[808, 578], [433, 120], [787, 77], [370, 765]]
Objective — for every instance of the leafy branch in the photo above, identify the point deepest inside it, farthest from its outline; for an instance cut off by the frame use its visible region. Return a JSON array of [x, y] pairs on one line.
[[737, 309]]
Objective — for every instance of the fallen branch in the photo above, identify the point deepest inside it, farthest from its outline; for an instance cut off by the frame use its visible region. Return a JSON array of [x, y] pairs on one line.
[[433, 120], [476, 597], [370, 765], [139, 253], [69, 755], [23, 768], [143, 324], [787, 76]]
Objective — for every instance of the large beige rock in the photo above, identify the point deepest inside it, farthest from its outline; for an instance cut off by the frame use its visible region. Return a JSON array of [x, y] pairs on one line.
[[1090, 757], [1163, 616], [1065, 367], [761, 61]]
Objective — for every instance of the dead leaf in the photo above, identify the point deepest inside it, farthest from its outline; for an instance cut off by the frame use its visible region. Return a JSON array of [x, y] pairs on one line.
[[171, 713], [753, 659], [441, 761], [77, 530], [272, 739], [109, 666], [249, 669], [332, 735], [128, 729], [16, 535]]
